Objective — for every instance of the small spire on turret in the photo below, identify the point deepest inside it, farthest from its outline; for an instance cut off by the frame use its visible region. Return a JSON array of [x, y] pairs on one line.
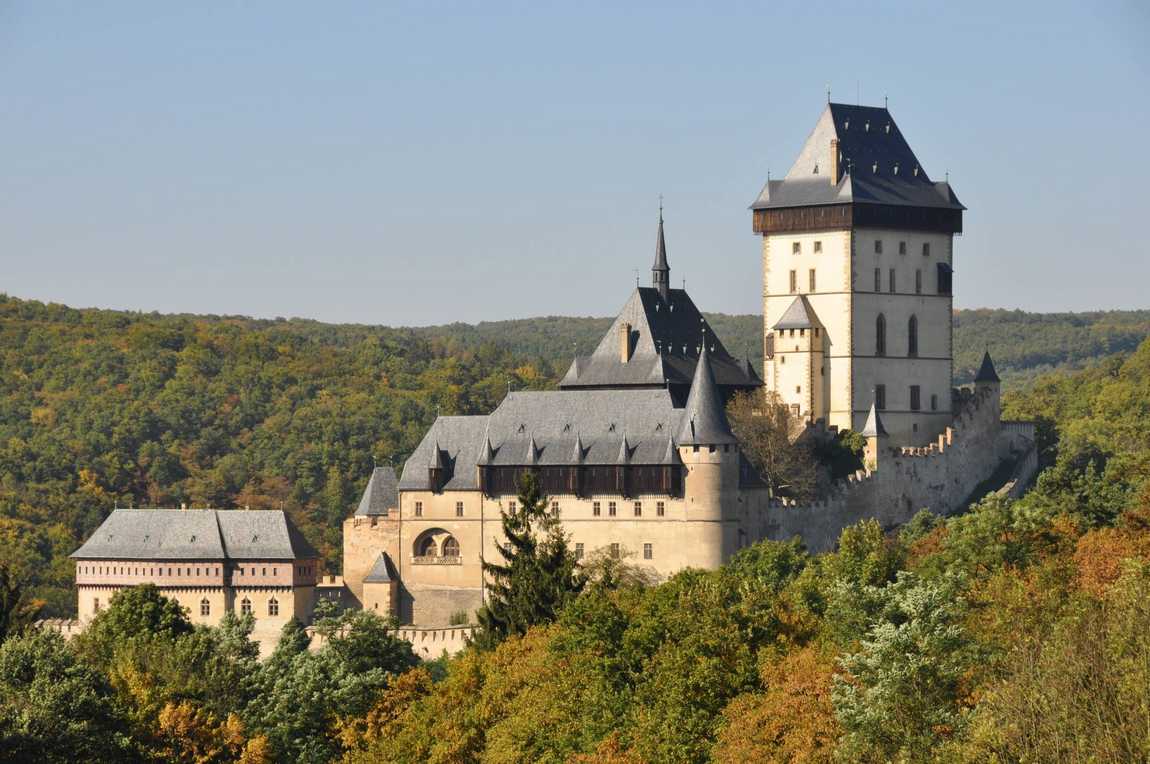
[[661, 271]]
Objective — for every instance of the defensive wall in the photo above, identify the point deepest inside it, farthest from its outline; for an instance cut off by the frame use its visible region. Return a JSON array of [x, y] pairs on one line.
[[943, 477]]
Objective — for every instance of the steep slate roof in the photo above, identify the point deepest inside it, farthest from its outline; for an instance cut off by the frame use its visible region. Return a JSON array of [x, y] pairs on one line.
[[877, 166], [382, 572], [704, 420], [556, 422], [800, 315], [665, 336], [986, 372], [381, 493], [196, 534]]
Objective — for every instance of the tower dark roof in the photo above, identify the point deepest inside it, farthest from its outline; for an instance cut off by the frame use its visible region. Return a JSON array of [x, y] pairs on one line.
[[666, 334], [986, 372], [382, 572], [704, 420], [875, 166]]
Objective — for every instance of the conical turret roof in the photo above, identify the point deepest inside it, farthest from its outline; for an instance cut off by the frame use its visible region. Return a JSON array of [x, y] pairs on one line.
[[986, 372], [704, 419], [873, 427], [624, 451], [436, 462], [532, 456]]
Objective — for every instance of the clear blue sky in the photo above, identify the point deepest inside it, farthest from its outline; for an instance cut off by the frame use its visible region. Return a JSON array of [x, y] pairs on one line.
[[395, 164]]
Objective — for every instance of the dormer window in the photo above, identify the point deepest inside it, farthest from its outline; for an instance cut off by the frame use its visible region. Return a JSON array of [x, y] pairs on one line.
[[846, 124], [874, 167], [888, 128], [896, 168], [866, 127]]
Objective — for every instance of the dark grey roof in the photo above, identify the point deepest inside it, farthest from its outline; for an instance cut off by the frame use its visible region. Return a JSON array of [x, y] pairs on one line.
[[381, 493], [873, 427], [561, 424], [196, 534], [382, 572], [877, 166], [661, 270], [704, 420], [666, 334], [986, 372], [800, 315]]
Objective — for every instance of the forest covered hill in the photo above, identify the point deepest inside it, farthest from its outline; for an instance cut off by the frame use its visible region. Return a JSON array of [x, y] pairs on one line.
[[101, 407]]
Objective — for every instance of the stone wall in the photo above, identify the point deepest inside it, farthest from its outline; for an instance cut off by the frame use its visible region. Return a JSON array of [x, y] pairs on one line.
[[940, 477]]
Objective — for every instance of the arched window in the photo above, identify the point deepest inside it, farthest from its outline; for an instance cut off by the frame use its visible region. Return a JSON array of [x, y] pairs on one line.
[[450, 547], [205, 607], [880, 335], [912, 336], [273, 606], [427, 547], [245, 606]]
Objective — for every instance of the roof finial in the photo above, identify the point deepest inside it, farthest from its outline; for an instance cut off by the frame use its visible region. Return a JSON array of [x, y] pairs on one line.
[[828, 92], [885, 104]]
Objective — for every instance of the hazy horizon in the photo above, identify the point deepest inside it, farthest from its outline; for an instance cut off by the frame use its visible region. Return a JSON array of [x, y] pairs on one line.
[[407, 166]]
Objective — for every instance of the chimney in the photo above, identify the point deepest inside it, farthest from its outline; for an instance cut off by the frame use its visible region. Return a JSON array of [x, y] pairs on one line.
[[624, 342], [834, 161]]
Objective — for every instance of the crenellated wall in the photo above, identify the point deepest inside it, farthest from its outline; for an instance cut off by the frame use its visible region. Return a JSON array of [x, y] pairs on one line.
[[941, 477]]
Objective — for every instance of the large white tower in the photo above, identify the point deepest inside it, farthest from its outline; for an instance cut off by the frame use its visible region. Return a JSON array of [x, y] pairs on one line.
[[858, 246]]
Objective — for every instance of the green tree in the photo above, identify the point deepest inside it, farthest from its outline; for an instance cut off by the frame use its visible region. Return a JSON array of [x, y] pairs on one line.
[[55, 708], [138, 612], [537, 577], [16, 611], [900, 695]]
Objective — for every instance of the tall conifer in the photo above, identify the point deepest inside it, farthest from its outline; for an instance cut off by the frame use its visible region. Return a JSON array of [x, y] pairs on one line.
[[538, 575]]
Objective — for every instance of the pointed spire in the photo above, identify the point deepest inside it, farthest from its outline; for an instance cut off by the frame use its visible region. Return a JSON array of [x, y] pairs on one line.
[[873, 427], [436, 457], [487, 453], [986, 372], [704, 419], [580, 453], [624, 451], [532, 456], [661, 271]]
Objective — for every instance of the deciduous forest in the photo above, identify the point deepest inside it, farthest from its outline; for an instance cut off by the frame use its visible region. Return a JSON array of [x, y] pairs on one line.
[[1018, 631]]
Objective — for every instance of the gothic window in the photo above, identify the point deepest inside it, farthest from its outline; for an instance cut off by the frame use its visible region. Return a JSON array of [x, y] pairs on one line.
[[818, 247], [878, 246], [892, 288], [902, 247], [205, 607], [273, 606], [915, 398], [880, 397], [610, 509], [648, 552], [796, 248], [878, 279], [555, 509], [794, 281], [638, 509], [245, 606], [880, 335], [918, 281], [595, 508], [660, 508], [912, 336], [579, 551], [812, 278], [926, 249], [450, 547], [934, 402], [426, 548], [459, 509], [419, 509]]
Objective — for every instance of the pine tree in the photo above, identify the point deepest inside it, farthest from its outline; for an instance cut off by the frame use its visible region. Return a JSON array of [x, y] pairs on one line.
[[538, 575]]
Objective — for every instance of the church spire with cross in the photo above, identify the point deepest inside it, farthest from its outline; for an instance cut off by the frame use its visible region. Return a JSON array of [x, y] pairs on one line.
[[661, 271]]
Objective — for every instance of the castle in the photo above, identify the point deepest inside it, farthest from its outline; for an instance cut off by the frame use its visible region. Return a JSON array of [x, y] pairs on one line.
[[634, 449]]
